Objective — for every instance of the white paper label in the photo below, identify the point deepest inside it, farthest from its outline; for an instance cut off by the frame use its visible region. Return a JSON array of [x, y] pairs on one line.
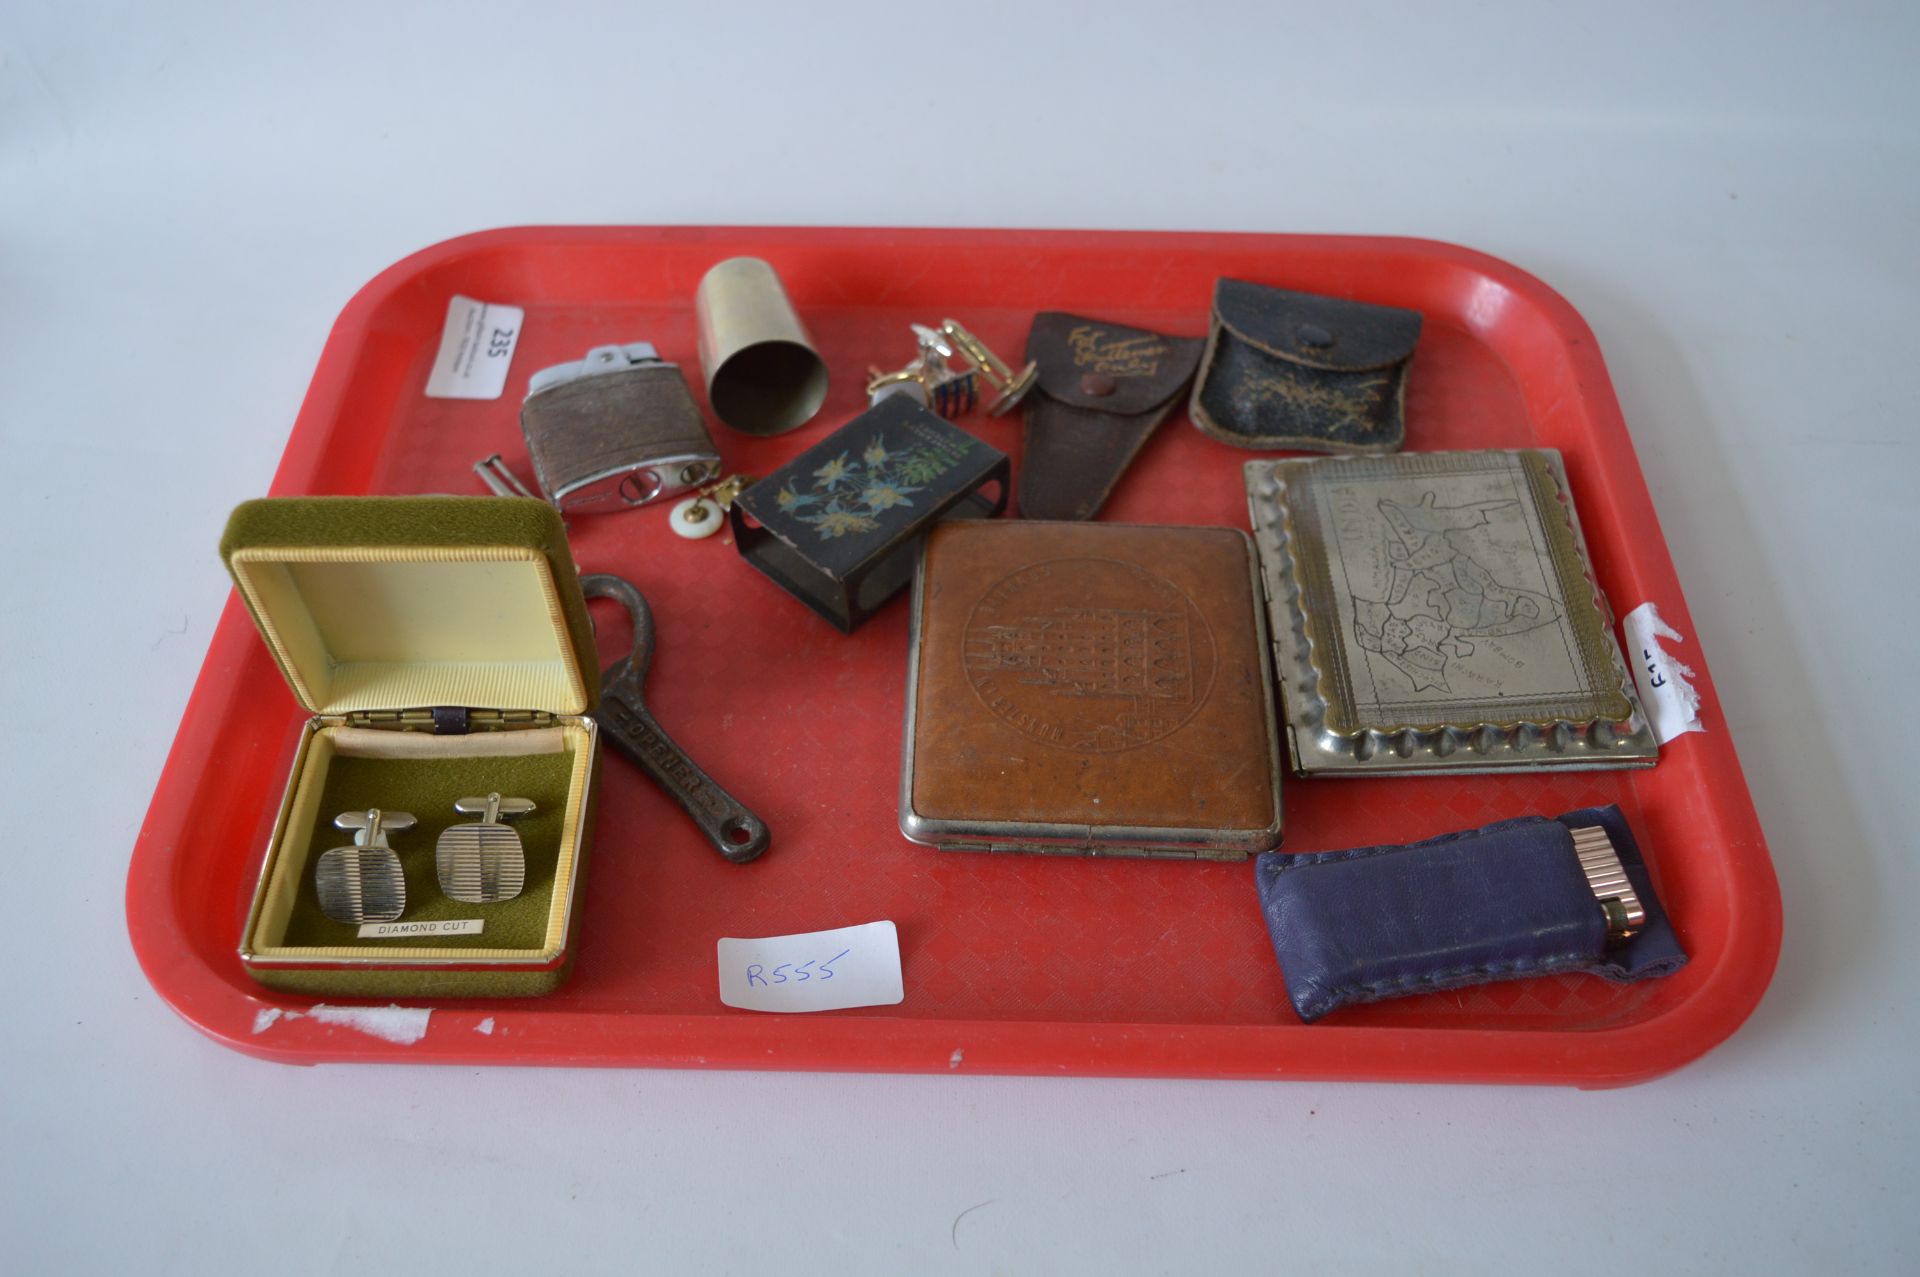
[[815, 971], [448, 927], [476, 349], [1666, 687]]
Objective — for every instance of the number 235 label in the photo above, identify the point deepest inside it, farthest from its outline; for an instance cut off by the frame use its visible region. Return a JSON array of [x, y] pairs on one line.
[[814, 971], [476, 349]]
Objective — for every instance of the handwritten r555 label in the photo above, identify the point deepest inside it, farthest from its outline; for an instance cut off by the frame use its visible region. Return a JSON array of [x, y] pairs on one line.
[[814, 971]]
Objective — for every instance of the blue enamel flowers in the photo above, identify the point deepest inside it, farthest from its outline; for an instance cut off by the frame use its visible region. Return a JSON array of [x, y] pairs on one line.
[[839, 525], [849, 493]]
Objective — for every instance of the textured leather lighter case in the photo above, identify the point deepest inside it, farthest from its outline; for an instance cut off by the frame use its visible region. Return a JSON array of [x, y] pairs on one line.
[[1287, 370], [1103, 390], [616, 429]]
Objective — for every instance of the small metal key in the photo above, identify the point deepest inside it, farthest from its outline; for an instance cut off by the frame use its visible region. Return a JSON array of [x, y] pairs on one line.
[[735, 832]]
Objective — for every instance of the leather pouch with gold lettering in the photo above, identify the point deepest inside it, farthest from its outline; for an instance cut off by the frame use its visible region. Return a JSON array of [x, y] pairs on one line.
[[1285, 370], [1089, 689], [1103, 390]]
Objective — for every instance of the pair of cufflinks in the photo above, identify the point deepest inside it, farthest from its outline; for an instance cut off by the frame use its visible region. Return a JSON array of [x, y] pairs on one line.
[[480, 863], [932, 382]]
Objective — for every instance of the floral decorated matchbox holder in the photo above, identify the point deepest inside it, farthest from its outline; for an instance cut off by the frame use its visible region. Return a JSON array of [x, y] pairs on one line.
[[840, 526]]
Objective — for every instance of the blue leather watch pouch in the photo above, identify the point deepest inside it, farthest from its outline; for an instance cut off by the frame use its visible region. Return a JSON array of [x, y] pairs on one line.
[[1502, 902]]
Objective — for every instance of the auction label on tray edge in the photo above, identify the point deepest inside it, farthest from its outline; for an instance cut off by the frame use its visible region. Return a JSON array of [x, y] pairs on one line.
[[813, 970], [1666, 686], [476, 350]]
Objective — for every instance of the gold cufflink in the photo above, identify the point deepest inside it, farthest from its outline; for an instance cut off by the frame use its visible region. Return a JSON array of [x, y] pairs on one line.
[[1012, 386], [929, 380], [1607, 878], [700, 516]]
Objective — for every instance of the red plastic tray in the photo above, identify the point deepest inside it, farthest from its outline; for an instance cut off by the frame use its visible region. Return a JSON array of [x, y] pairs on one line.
[[1012, 964]]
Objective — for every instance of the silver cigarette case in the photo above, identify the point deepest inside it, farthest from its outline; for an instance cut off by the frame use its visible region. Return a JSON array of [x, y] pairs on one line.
[[1436, 612]]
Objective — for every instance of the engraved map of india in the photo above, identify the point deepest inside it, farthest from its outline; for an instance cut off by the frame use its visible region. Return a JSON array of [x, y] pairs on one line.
[[1446, 595]]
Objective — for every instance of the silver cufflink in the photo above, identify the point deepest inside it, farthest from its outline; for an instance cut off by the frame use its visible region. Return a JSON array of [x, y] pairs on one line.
[[483, 863], [932, 381], [929, 380], [364, 882]]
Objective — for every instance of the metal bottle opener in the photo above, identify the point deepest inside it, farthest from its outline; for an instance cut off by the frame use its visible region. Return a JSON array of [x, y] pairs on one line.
[[735, 832]]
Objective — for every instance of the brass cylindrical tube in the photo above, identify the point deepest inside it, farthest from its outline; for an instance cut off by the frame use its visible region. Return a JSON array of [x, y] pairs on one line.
[[763, 374]]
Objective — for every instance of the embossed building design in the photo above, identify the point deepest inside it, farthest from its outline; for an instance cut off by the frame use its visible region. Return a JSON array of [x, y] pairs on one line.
[[1092, 652]]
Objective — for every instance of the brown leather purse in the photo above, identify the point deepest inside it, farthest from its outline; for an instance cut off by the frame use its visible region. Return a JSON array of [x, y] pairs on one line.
[[1287, 370], [1103, 390]]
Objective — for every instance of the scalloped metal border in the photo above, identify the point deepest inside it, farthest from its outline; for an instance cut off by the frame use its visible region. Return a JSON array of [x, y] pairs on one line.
[[1461, 748]]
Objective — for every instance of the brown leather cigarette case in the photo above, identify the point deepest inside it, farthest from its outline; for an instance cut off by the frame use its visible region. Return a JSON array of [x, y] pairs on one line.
[[1090, 689]]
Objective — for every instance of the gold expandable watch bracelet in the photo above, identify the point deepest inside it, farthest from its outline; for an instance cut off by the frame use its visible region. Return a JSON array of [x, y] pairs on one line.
[[1608, 879]]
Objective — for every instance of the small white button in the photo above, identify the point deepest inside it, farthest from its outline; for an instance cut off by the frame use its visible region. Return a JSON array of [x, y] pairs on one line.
[[697, 518]]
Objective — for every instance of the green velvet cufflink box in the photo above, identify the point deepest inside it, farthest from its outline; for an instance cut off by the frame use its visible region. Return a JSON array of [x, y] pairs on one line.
[[443, 647]]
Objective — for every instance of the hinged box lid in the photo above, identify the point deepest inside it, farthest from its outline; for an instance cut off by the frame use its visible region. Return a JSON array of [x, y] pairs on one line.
[[388, 603]]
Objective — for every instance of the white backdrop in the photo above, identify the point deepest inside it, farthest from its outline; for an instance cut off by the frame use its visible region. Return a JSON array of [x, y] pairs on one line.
[[1729, 193]]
